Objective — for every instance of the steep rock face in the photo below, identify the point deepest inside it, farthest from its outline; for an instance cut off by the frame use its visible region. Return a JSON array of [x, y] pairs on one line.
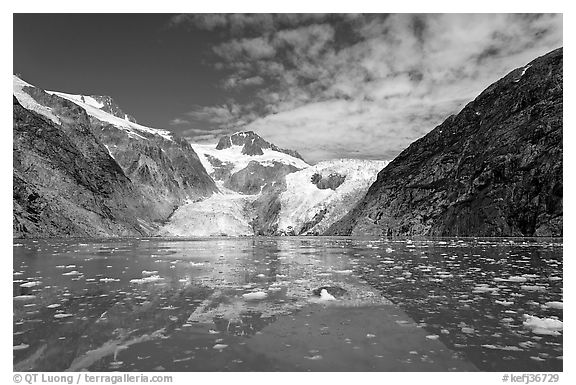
[[253, 178], [65, 183], [161, 172], [167, 172], [251, 144], [495, 169]]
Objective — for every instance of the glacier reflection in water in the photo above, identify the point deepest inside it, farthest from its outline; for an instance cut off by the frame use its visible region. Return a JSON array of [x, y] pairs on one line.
[[257, 304]]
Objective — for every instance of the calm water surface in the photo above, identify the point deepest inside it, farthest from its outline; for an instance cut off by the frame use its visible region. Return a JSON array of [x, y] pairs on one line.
[[252, 304]]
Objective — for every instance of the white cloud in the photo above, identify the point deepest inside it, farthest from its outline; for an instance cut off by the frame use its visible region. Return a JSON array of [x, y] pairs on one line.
[[364, 85]]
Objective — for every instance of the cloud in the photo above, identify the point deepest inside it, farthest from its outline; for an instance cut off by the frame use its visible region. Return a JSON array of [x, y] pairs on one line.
[[178, 122], [250, 49], [361, 85]]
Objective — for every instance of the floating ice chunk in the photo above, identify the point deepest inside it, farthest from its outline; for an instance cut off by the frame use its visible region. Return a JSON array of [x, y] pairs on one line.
[[219, 346], [389, 250], [152, 278], [63, 315], [21, 346], [483, 288], [255, 295], [555, 305], [24, 297], [31, 284], [109, 280], [517, 279], [533, 288], [325, 296], [196, 264], [73, 272], [343, 271], [146, 273], [543, 326], [370, 335], [53, 306], [504, 303], [433, 336], [313, 358]]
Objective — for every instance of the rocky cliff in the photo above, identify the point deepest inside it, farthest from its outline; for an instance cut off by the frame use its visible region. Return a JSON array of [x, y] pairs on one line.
[[494, 169], [84, 168]]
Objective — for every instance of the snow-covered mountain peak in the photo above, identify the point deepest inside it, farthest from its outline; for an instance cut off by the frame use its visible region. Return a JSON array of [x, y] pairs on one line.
[[251, 144], [101, 108], [234, 152]]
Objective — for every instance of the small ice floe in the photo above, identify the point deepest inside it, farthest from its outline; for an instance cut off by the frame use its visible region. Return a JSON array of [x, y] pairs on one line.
[[504, 303], [543, 326], [507, 348], [261, 275], [31, 284], [533, 288], [517, 279], [555, 279], [467, 330], [152, 278], [389, 250], [24, 297], [554, 305], [325, 296], [255, 295], [314, 357], [63, 315], [484, 288], [22, 346], [147, 273], [212, 331], [343, 271], [219, 347], [196, 264], [73, 272], [109, 280], [433, 336], [53, 306], [370, 335]]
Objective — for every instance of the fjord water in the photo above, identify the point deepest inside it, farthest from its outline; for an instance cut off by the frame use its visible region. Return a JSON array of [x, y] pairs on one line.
[[238, 304]]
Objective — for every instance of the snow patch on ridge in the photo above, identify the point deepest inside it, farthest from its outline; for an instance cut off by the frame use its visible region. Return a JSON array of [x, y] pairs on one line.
[[92, 107], [240, 161], [28, 101]]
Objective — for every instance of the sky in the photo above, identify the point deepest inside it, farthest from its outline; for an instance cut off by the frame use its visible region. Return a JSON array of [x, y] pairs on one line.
[[327, 85]]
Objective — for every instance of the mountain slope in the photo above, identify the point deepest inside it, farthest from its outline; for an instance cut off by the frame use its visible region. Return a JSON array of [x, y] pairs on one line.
[[161, 172], [495, 169], [62, 188]]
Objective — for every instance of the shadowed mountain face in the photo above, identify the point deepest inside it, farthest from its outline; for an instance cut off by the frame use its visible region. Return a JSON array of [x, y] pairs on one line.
[[81, 174], [495, 169], [66, 184]]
